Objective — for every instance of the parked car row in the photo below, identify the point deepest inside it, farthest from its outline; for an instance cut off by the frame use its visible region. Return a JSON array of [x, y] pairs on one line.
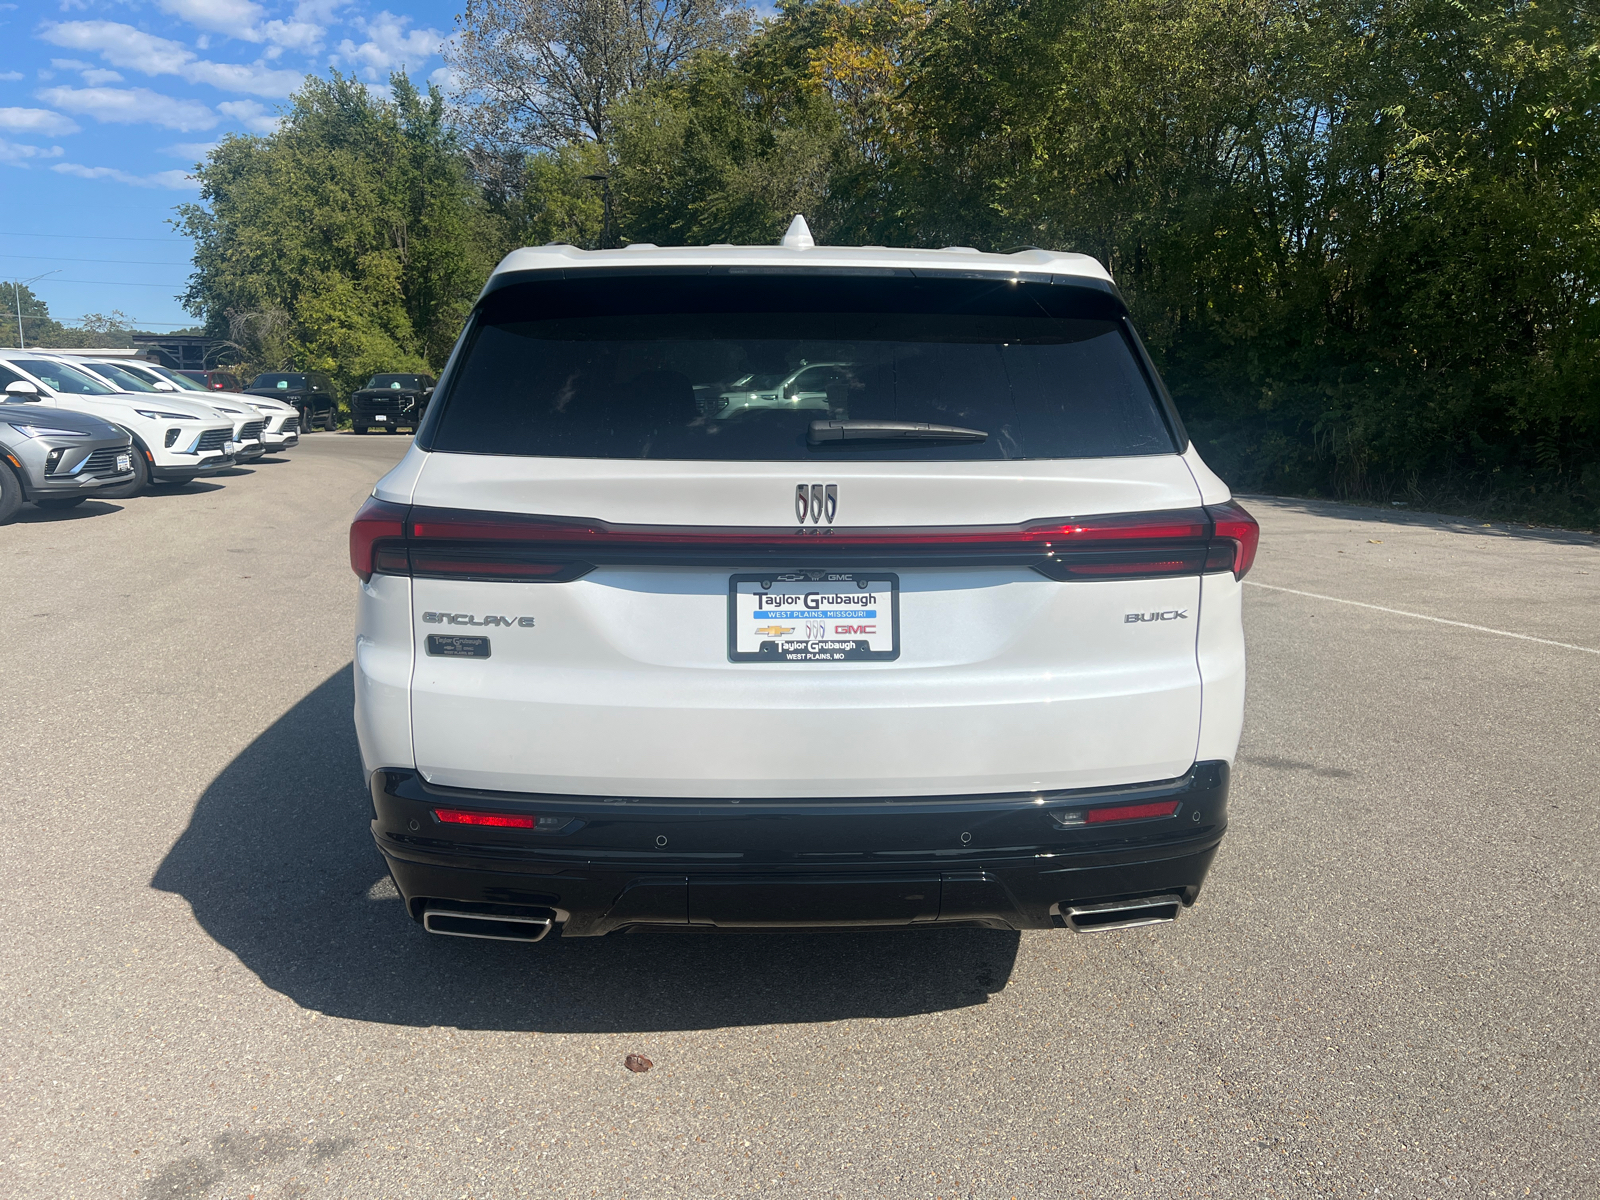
[[74, 426]]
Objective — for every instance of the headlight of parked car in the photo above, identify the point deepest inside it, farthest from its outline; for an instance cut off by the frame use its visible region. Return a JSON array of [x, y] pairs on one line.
[[33, 431], [155, 414]]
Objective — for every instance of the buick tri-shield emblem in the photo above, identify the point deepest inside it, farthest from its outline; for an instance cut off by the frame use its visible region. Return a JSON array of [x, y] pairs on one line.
[[817, 501]]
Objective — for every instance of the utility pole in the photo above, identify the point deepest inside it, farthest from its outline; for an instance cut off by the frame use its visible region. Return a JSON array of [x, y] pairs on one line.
[[16, 291]]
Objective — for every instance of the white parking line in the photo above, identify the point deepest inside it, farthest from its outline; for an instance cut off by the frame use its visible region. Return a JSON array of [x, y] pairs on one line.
[[1400, 612]]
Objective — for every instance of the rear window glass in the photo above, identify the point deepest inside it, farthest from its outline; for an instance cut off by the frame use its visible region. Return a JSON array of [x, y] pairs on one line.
[[737, 367], [284, 382]]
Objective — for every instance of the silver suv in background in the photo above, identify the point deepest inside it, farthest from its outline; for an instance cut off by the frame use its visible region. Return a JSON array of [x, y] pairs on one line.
[[58, 459]]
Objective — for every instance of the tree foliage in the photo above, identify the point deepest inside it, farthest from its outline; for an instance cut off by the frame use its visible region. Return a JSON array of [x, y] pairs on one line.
[[539, 75], [352, 240], [1361, 236]]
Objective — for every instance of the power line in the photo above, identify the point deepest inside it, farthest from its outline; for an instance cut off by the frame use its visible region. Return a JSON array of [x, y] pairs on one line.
[[130, 262], [116, 284], [94, 237], [133, 322]]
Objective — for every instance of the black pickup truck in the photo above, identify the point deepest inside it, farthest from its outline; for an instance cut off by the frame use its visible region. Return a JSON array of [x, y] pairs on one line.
[[390, 402]]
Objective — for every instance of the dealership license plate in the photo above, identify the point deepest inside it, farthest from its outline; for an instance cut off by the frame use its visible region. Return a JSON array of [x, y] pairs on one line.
[[380, 418], [124, 462], [814, 616]]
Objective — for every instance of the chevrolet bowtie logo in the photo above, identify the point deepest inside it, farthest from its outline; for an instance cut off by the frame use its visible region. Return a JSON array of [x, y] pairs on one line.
[[775, 630], [819, 501]]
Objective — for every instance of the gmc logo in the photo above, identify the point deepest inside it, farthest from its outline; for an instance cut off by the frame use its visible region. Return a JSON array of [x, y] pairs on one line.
[[855, 629]]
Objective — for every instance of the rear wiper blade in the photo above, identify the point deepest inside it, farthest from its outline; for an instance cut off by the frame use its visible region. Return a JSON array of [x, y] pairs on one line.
[[824, 433]]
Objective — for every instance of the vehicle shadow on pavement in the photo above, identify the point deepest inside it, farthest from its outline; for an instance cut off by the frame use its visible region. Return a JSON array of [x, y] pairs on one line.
[[29, 515], [279, 867]]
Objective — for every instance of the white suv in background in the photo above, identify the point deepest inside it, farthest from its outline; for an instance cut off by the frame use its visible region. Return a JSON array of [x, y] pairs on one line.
[[958, 641], [281, 429], [247, 420], [175, 440], [280, 423]]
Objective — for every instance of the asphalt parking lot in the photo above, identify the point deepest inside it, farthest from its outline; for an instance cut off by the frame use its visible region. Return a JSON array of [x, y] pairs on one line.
[[1389, 985]]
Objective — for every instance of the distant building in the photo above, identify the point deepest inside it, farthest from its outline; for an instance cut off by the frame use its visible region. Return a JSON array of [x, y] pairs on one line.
[[185, 351]]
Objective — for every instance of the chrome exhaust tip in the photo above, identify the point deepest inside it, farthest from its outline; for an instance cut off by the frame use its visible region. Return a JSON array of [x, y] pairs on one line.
[[495, 927], [1123, 914]]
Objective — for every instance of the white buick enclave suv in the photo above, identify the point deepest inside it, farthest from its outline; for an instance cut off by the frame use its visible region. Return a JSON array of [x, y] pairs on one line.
[[958, 641]]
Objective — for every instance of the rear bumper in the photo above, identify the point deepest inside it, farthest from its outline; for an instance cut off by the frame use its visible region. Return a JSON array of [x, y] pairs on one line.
[[612, 863]]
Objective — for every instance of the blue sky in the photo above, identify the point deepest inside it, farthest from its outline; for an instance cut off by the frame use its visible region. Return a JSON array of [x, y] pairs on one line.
[[106, 105]]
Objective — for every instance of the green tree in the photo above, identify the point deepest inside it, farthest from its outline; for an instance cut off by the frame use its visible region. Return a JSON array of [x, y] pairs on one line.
[[727, 151], [38, 327], [351, 240]]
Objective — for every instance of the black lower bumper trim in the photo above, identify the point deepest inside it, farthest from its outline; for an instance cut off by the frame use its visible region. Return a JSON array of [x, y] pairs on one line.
[[994, 860]]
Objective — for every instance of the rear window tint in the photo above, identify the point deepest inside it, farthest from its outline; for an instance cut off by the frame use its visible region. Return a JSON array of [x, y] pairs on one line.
[[738, 367]]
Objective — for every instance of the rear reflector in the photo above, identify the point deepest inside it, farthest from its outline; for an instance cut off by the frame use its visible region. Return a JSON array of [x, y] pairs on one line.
[[392, 539], [457, 816], [1131, 812]]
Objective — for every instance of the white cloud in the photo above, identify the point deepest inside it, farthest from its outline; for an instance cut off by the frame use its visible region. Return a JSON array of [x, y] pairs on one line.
[[305, 36], [390, 44], [10, 76], [121, 45], [251, 115], [97, 77], [444, 77], [36, 120], [70, 64], [236, 18], [132, 106], [16, 154], [133, 49], [253, 79], [193, 151], [176, 180]]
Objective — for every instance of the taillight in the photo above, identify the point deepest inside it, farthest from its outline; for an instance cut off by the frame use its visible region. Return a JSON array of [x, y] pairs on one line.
[[464, 544], [1236, 532], [378, 522]]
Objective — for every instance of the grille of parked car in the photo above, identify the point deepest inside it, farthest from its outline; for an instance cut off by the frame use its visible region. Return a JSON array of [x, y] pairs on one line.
[[214, 439], [291, 425], [252, 430], [104, 460], [384, 404]]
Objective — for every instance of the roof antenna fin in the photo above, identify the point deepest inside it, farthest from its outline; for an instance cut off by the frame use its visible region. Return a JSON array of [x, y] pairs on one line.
[[799, 235]]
